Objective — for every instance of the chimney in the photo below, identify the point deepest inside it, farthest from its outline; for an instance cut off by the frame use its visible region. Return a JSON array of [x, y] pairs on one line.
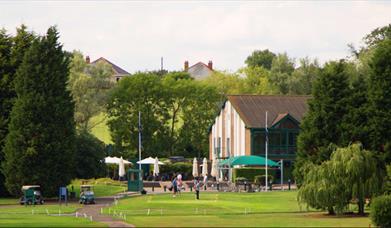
[[186, 65], [210, 65], [88, 59]]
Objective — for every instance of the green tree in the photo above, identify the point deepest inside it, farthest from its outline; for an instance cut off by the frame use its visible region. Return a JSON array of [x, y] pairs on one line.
[[378, 35], [12, 50], [281, 70], [89, 85], [90, 154], [6, 93], [39, 147], [225, 83], [379, 95], [351, 174], [355, 122], [256, 81], [140, 93], [322, 125], [261, 58], [303, 77], [198, 116], [177, 86]]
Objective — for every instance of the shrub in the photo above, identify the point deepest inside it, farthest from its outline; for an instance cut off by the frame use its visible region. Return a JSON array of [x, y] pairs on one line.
[[183, 168], [381, 211], [250, 173], [260, 179]]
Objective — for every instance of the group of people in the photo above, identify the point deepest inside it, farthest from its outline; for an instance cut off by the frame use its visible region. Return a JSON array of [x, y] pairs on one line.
[[177, 185]]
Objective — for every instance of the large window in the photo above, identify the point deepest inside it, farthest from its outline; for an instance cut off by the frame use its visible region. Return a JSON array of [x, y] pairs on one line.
[[258, 146], [281, 142]]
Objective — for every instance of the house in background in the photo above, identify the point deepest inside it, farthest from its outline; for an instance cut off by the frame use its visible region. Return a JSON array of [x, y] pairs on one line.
[[239, 128], [118, 72], [199, 70]]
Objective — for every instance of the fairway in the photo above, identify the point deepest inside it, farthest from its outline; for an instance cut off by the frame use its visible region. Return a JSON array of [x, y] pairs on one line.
[[226, 209]]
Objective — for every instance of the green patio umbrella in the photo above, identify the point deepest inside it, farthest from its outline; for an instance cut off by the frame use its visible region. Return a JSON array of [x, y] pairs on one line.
[[251, 160]]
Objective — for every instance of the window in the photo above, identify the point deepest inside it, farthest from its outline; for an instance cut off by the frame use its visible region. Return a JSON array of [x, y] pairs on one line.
[[258, 146], [275, 138], [292, 138]]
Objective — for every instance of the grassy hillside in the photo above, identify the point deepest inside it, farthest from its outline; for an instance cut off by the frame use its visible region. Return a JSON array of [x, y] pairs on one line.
[[101, 130]]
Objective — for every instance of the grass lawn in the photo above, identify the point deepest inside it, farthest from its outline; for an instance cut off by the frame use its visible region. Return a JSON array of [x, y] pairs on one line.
[[101, 130], [36, 216], [5, 201], [226, 209], [102, 186]]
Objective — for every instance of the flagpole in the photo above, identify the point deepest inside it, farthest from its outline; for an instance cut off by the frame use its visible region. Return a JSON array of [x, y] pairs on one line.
[[266, 150], [139, 142]]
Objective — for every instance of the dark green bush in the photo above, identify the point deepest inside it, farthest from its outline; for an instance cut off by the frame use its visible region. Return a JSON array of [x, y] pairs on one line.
[[183, 168], [381, 211], [250, 173]]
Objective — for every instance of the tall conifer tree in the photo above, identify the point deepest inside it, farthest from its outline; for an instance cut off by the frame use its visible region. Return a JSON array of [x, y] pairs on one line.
[[40, 144], [322, 125], [380, 99], [12, 52], [6, 93]]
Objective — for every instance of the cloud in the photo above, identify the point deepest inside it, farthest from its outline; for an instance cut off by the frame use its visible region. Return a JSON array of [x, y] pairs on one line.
[[136, 34]]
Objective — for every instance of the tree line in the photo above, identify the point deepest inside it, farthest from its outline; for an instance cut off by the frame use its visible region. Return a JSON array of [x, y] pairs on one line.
[[345, 142], [49, 98], [39, 141]]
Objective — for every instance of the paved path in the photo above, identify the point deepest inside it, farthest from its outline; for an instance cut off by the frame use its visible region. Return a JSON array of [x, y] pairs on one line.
[[95, 209]]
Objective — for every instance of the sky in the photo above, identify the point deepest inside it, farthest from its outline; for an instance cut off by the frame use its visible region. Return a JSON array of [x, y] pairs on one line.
[[136, 34]]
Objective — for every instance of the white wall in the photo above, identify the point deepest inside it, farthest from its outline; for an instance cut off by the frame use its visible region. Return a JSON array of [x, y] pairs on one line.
[[238, 126]]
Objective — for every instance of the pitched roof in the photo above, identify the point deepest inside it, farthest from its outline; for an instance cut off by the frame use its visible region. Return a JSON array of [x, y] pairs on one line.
[[200, 64], [199, 70], [279, 117], [117, 69], [252, 108]]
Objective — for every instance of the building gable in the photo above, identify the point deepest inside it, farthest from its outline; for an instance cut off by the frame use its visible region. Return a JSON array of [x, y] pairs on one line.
[[199, 70]]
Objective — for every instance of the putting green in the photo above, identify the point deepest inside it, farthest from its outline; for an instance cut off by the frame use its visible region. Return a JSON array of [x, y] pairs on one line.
[[225, 209], [43, 216]]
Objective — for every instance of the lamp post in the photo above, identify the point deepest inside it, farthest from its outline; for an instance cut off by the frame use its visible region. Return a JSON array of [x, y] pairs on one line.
[[266, 150], [139, 144], [282, 173]]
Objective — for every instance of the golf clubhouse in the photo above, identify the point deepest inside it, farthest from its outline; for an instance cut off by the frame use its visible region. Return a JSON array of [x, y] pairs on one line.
[[240, 127]]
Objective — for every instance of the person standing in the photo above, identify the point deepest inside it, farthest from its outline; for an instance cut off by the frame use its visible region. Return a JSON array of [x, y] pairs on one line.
[[174, 186], [179, 183], [205, 181], [197, 185]]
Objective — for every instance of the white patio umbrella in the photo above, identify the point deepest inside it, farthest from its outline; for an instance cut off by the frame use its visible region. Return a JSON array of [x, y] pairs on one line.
[[149, 161], [214, 172], [195, 168], [115, 160], [121, 169], [204, 167], [156, 167]]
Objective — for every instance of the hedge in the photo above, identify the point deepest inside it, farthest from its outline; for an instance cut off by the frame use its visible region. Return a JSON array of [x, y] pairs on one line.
[[179, 167], [250, 173], [381, 211]]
